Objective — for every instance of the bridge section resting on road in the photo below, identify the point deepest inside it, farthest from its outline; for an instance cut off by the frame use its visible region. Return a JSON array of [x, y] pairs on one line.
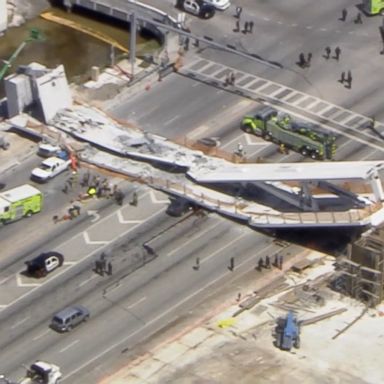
[[264, 195]]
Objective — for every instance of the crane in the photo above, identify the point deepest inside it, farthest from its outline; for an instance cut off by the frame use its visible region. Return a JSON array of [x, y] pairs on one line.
[[34, 35]]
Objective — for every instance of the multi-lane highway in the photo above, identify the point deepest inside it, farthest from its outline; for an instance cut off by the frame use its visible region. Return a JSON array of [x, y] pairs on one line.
[[148, 290]]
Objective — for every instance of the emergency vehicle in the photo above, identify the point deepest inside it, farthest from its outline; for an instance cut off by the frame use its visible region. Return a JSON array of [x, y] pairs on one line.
[[22, 201], [373, 7]]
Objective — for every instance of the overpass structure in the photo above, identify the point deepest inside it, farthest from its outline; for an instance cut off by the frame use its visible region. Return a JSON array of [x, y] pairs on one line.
[[334, 194]]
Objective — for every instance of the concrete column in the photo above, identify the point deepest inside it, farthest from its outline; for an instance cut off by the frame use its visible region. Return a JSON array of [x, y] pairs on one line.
[[377, 187]]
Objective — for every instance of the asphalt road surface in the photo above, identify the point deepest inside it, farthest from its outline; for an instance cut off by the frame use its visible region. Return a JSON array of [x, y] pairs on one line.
[[132, 304]]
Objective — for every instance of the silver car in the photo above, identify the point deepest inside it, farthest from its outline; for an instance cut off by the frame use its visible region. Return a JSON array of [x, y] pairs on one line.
[[70, 317]]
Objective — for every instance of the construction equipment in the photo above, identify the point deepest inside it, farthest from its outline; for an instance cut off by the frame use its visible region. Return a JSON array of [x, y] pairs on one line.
[[39, 372], [34, 35], [287, 332], [281, 129]]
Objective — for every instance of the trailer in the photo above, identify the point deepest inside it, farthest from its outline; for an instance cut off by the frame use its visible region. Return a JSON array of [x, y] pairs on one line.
[[19, 202]]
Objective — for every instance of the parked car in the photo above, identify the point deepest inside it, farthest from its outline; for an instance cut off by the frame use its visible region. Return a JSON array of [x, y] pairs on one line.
[[69, 317], [50, 168], [222, 5], [48, 149], [45, 263], [179, 207], [199, 8]]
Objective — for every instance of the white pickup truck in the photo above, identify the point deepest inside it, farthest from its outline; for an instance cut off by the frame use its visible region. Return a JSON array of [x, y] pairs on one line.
[[49, 168]]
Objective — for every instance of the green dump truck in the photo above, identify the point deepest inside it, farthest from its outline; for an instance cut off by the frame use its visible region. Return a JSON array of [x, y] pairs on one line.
[[373, 7], [22, 201], [281, 129]]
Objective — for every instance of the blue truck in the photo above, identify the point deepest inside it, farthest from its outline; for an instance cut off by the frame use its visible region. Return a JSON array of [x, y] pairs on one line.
[[287, 332]]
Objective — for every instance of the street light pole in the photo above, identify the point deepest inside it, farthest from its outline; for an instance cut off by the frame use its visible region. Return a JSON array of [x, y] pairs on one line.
[[132, 42]]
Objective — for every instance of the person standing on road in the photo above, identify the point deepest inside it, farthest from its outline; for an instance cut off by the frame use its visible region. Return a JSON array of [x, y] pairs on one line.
[[343, 78], [309, 59], [301, 60], [344, 14], [239, 10], [349, 80], [358, 19], [327, 53], [245, 30], [237, 27], [251, 24], [337, 53]]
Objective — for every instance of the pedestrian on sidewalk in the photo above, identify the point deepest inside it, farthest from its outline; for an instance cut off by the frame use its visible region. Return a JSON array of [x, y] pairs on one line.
[[344, 14], [280, 262], [327, 53], [337, 53]]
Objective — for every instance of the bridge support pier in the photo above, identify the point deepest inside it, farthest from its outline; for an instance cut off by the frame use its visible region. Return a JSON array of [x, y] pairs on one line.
[[377, 187]]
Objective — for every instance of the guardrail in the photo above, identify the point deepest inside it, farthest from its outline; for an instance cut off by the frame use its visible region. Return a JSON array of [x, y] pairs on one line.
[[242, 209]]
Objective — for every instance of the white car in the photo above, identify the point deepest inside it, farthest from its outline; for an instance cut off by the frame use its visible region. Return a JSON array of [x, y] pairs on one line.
[[50, 168], [222, 5]]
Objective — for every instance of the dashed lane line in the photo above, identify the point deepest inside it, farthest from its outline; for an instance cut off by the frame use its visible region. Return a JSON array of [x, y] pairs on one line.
[[137, 302], [39, 336], [69, 345], [22, 321]]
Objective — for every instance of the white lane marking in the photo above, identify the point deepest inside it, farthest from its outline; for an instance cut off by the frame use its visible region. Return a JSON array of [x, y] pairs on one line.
[[20, 322], [280, 22], [249, 139], [21, 284], [161, 211], [196, 84], [121, 219], [6, 279], [266, 19], [323, 29], [170, 121], [193, 238], [155, 200], [150, 322], [137, 302], [69, 345], [92, 226], [294, 25], [87, 281], [93, 242], [309, 27], [94, 214], [223, 247], [41, 334]]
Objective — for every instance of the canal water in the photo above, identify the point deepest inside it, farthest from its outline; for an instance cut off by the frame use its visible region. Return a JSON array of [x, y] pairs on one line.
[[77, 51]]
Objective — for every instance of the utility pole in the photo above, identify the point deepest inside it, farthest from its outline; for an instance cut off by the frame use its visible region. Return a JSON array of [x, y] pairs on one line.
[[132, 43]]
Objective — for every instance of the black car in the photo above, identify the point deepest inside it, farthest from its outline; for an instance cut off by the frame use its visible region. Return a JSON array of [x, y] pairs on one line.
[[178, 207], [197, 7], [45, 263]]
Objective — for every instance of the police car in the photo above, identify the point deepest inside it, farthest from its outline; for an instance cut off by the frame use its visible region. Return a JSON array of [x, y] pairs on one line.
[[199, 8], [222, 5], [45, 263]]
